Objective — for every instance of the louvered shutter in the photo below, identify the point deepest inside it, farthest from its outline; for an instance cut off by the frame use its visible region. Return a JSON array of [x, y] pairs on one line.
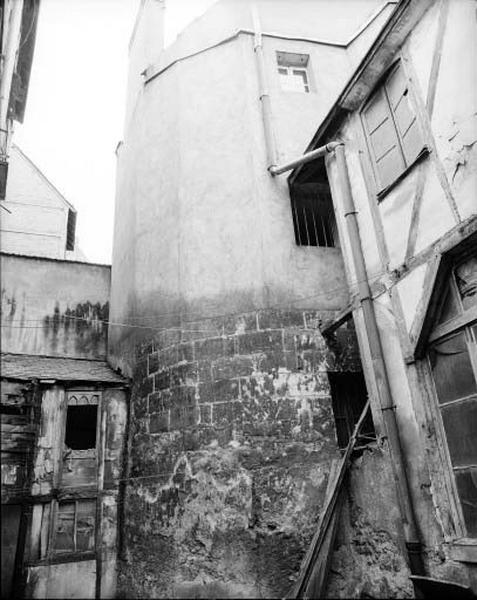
[[383, 139], [404, 117], [70, 230]]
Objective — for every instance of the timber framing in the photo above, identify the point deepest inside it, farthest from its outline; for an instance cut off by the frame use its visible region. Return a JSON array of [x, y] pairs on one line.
[[377, 60]]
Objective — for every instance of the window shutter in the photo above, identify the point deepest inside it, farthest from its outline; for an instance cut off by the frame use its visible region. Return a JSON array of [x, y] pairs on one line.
[[70, 230], [397, 91], [3, 179], [383, 139]]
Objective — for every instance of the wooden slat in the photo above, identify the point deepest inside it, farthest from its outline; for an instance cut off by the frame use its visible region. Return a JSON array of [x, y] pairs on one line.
[[457, 322], [17, 428], [321, 568], [316, 554]]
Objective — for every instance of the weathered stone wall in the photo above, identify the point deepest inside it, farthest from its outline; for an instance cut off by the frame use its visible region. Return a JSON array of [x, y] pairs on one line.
[[369, 557], [231, 444]]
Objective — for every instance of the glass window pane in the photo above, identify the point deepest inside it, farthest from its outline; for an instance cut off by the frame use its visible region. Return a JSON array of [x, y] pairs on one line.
[[450, 306], [466, 277], [467, 489], [65, 519], [299, 78], [460, 424], [452, 369], [285, 80], [85, 526]]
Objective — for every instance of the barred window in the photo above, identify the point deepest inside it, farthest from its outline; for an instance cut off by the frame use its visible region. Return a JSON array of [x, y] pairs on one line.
[[313, 215]]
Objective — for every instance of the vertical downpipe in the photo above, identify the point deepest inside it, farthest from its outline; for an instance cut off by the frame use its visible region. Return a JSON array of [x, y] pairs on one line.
[[413, 544], [263, 91], [99, 500]]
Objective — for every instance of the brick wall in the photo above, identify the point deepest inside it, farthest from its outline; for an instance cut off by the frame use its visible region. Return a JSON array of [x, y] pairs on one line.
[[231, 444]]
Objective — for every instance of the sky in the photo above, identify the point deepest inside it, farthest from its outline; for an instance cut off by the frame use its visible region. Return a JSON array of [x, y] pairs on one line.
[[75, 106]]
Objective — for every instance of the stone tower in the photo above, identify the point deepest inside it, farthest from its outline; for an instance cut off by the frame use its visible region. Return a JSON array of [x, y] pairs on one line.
[[217, 300]]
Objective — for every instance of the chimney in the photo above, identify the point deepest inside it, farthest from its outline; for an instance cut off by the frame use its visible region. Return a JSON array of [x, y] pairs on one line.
[[145, 47]]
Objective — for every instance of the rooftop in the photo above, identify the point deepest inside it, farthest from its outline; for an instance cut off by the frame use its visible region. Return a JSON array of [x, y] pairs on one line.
[[25, 367]]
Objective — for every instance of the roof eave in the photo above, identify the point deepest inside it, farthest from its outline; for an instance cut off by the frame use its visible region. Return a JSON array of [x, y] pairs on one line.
[[378, 58]]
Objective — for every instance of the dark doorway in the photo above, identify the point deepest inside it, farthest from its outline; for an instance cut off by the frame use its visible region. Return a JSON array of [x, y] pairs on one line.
[[81, 422], [349, 395], [10, 526]]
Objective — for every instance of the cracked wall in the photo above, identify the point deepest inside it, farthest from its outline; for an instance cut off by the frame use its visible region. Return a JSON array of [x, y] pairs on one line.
[[231, 445], [72, 322]]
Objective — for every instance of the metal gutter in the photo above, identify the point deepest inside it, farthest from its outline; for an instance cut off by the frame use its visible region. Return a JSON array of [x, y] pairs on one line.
[[302, 160], [150, 74], [385, 398], [400, 22], [388, 408]]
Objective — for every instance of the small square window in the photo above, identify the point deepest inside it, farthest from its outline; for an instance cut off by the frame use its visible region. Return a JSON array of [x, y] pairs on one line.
[[293, 72]]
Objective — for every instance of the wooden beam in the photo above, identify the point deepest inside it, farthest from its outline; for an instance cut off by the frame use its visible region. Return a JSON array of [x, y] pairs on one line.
[[436, 58], [332, 325], [318, 553], [415, 212]]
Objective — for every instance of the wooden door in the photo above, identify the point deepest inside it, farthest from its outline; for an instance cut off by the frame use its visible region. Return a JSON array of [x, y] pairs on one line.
[[10, 514]]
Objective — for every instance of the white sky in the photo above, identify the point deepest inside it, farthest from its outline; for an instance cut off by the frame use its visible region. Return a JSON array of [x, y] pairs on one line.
[[75, 106]]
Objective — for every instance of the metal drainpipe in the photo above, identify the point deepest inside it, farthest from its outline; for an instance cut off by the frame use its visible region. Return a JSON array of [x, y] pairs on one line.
[[306, 158], [263, 91], [413, 544]]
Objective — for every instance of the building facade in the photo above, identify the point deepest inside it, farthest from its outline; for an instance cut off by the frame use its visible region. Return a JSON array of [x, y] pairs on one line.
[[63, 420], [220, 284], [37, 220], [18, 22], [63, 410], [403, 178]]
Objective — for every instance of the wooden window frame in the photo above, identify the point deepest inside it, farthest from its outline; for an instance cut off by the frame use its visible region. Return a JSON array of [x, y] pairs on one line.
[[60, 556], [76, 398], [463, 322], [314, 226], [290, 73], [382, 191], [293, 61]]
